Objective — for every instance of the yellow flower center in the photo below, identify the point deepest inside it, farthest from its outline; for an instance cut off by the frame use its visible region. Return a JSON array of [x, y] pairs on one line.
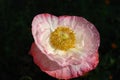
[[63, 38]]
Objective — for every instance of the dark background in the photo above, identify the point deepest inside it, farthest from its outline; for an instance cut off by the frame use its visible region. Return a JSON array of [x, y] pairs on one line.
[[16, 38]]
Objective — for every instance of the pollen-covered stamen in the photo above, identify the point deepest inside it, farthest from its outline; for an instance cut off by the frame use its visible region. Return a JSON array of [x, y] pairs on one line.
[[63, 38]]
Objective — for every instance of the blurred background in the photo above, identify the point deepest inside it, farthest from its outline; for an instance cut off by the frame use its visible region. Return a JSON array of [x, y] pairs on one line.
[[16, 38]]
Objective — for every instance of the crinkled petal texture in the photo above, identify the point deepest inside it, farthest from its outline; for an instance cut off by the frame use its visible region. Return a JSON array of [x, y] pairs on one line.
[[65, 64]]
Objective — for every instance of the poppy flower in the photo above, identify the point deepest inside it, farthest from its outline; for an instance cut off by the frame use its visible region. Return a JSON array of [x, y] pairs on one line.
[[65, 47]]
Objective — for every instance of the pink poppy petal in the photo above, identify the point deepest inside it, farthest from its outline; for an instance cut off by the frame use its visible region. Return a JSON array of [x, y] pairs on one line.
[[72, 21], [87, 41], [42, 60], [42, 25], [73, 71], [84, 30], [53, 69]]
